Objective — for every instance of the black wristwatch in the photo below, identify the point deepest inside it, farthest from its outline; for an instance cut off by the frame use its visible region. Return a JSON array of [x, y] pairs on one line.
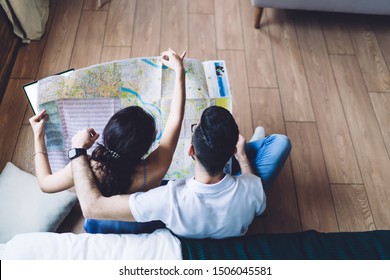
[[76, 152]]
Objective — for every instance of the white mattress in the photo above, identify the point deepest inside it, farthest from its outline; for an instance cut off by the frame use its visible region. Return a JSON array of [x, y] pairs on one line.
[[159, 245]]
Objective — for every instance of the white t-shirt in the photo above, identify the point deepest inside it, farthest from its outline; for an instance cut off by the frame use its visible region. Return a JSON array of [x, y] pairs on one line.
[[195, 210]]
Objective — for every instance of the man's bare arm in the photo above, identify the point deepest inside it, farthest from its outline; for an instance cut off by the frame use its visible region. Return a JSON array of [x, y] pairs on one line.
[[241, 156], [93, 203]]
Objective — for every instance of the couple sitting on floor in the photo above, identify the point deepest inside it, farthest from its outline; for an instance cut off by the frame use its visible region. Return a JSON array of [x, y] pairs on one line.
[[115, 183]]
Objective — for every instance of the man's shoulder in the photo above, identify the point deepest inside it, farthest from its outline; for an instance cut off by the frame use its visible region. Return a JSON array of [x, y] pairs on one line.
[[174, 185], [248, 179], [247, 176], [177, 182]]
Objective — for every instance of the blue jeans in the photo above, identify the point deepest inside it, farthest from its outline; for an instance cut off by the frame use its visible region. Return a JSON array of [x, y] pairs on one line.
[[267, 157]]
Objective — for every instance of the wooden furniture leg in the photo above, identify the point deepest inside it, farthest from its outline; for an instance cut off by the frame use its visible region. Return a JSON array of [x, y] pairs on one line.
[[258, 14], [100, 3]]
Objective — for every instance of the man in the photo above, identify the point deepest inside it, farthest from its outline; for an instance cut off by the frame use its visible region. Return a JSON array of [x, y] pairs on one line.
[[212, 204]]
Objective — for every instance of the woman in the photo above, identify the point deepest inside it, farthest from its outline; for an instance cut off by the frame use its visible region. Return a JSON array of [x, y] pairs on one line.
[[117, 163]]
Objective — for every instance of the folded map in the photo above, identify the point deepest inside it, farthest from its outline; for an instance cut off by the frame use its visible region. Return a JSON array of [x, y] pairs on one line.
[[88, 97]]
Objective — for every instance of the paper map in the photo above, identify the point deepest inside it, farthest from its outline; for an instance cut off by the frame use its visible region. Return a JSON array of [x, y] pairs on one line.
[[90, 96]]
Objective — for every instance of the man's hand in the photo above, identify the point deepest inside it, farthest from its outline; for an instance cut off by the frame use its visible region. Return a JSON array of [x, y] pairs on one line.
[[172, 60], [84, 138], [241, 154], [37, 123]]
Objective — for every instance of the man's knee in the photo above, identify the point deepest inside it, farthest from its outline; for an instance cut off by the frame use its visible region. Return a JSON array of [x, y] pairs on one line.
[[279, 147], [281, 141]]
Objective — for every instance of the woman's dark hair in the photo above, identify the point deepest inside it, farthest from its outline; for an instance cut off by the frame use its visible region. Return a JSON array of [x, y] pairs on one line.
[[215, 139], [127, 137]]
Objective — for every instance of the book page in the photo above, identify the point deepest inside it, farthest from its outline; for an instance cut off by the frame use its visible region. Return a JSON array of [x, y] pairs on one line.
[[217, 79]]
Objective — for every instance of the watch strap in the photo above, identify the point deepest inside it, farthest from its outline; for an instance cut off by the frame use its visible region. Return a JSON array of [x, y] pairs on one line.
[[76, 152]]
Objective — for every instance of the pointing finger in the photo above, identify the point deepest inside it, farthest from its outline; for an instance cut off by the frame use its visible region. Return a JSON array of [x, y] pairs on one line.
[[40, 115]]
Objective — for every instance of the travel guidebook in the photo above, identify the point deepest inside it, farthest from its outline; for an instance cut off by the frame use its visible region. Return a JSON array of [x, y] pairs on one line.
[[90, 96]]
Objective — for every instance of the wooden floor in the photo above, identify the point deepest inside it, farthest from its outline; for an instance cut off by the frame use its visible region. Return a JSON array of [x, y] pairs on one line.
[[321, 78]]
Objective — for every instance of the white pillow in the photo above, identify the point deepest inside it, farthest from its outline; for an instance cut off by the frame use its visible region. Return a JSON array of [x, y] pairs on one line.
[[159, 245], [25, 208]]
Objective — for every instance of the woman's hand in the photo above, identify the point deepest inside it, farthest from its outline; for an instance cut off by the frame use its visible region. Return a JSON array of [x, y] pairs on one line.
[[37, 123], [172, 60], [84, 138]]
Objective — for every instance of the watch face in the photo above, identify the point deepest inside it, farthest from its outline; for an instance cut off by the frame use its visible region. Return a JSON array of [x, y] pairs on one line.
[[72, 153], [75, 152]]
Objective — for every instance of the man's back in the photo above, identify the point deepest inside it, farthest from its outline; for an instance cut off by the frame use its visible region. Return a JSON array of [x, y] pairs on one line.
[[195, 210]]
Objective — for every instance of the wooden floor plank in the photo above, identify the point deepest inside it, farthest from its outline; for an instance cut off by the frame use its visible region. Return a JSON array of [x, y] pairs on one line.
[[89, 40], [282, 207], [24, 150], [30, 55], [372, 63], [257, 225], [335, 139], [202, 42], [258, 51], [28, 59], [235, 64], [352, 208], [12, 110], [290, 72], [267, 110], [282, 214], [174, 26], [370, 149], [119, 28], [336, 33], [311, 182], [201, 7], [147, 25], [27, 115], [381, 27], [228, 25], [381, 103], [28, 112], [115, 53], [92, 5], [59, 45]]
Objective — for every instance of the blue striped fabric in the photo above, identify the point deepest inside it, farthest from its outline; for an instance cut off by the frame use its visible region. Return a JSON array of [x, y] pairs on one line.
[[307, 245]]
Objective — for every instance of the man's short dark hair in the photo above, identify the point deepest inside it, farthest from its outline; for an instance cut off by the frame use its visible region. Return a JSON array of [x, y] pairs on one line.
[[215, 139]]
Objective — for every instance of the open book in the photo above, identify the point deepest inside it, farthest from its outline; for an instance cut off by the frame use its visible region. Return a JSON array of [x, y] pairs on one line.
[[90, 96]]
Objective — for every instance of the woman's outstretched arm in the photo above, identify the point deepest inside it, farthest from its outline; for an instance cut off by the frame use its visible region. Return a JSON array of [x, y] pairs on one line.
[[160, 159], [48, 182]]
